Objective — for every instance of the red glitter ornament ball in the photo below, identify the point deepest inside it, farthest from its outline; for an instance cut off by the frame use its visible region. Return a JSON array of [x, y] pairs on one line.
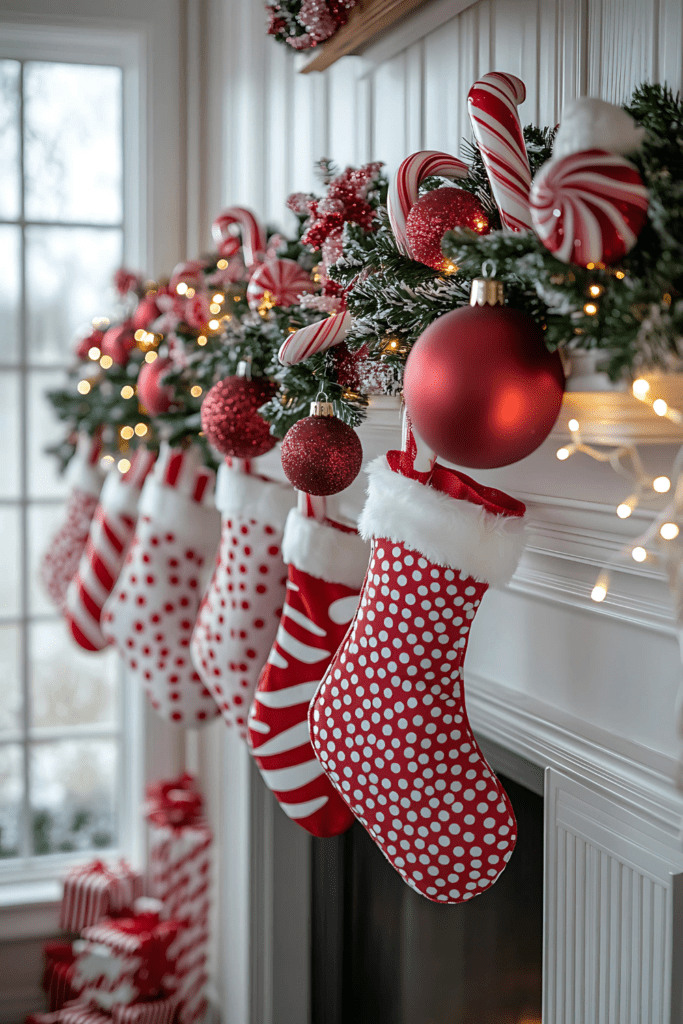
[[481, 388], [321, 455], [155, 397], [436, 213], [230, 417]]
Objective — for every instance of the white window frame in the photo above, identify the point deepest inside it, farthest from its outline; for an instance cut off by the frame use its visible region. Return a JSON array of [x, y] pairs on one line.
[[35, 880]]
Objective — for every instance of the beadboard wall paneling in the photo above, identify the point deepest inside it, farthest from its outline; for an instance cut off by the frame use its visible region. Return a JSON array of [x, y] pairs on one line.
[[391, 101]]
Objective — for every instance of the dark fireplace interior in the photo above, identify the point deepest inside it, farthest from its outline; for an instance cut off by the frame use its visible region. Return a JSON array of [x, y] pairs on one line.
[[384, 955]]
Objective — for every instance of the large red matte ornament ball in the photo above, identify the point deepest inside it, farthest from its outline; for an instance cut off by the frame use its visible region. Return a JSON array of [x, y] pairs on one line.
[[230, 417], [155, 397], [481, 388], [437, 212], [321, 455]]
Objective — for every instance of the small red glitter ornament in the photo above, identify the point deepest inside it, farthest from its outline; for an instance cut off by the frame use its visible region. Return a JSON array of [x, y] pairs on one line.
[[480, 386], [118, 342], [155, 396], [147, 311], [321, 454], [230, 417], [436, 213]]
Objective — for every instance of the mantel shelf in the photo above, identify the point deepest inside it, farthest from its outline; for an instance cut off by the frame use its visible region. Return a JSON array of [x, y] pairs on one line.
[[367, 21], [605, 417]]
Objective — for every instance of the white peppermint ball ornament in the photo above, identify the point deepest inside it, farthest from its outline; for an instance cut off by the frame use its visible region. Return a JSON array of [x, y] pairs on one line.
[[589, 123]]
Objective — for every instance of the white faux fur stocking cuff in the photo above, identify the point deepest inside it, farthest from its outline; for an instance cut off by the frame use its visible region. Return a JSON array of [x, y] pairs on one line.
[[324, 552], [171, 509], [243, 494], [450, 532]]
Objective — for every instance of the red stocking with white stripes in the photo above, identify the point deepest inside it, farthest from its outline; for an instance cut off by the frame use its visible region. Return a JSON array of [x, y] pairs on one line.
[[241, 609], [64, 551], [111, 532], [389, 722], [151, 611], [327, 563]]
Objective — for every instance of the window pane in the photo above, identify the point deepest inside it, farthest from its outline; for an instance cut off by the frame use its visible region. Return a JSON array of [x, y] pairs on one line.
[[68, 685], [69, 272], [9, 431], [10, 192], [10, 546], [44, 429], [72, 795], [72, 149], [10, 273], [10, 680], [11, 796]]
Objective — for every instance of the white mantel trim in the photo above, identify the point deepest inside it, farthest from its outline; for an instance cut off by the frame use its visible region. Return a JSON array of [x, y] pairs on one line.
[[632, 776]]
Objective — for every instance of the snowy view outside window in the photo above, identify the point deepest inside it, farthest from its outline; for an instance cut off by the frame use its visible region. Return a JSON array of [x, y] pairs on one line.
[[61, 238]]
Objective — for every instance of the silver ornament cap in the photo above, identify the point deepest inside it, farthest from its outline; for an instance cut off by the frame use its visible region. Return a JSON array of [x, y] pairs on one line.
[[322, 409], [486, 291]]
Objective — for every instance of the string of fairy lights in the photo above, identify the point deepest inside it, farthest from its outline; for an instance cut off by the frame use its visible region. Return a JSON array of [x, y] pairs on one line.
[[654, 543]]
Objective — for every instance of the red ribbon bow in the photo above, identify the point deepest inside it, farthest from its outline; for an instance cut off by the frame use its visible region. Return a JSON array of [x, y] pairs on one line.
[[176, 802]]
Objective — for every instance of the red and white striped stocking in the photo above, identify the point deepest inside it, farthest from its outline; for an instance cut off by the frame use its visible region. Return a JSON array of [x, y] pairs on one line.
[[61, 559], [241, 609], [389, 722], [327, 563], [151, 611], [111, 532]]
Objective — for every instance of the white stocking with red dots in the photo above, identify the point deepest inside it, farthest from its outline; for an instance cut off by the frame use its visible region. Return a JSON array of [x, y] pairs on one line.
[[150, 614]]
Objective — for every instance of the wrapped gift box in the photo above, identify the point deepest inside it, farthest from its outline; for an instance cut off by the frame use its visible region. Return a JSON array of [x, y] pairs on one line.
[[122, 960], [96, 890], [180, 873], [58, 976]]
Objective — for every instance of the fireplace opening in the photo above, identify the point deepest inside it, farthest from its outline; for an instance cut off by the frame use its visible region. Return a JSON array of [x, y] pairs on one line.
[[382, 954]]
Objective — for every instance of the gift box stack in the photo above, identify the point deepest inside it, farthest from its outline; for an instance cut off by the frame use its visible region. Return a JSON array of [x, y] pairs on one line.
[[180, 843], [139, 960]]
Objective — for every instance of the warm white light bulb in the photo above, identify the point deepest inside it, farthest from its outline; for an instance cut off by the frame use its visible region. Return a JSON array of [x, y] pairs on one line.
[[562, 454], [624, 510], [151, 356], [669, 531], [123, 465], [639, 554], [573, 425], [181, 288], [640, 387], [660, 406], [599, 592], [661, 484], [94, 353]]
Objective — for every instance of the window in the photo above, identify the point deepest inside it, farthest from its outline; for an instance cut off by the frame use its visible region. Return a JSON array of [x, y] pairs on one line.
[[64, 766]]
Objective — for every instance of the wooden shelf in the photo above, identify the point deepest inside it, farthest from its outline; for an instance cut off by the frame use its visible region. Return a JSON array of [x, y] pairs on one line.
[[368, 20]]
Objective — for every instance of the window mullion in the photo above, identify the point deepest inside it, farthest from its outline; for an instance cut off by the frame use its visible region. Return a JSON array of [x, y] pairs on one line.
[[24, 554]]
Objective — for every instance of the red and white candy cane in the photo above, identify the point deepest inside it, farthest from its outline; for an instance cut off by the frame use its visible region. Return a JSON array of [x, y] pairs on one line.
[[492, 103], [315, 338], [404, 189], [234, 221], [589, 207]]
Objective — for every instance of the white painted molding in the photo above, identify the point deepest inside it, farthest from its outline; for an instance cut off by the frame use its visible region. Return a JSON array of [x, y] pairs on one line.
[[632, 777]]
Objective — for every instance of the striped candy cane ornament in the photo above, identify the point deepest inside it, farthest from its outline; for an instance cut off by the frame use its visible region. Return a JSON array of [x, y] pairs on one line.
[[326, 565], [318, 337], [111, 532], [492, 104], [404, 189], [236, 222], [152, 609]]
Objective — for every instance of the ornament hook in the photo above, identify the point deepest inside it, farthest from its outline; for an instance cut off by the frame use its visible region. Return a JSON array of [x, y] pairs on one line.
[[488, 273]]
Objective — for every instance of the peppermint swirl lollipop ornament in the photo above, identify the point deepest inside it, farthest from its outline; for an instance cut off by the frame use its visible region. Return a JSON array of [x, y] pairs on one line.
[[277, 282], [588, 207]]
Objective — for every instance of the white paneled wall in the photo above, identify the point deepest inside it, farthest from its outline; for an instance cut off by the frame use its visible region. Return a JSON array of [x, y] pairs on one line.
[[410, 89]]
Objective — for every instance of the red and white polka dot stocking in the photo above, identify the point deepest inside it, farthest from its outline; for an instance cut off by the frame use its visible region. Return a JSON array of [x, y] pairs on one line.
[[389, 722], [151, 611], [61, 559], [241, 609], [327, 564], [111, 532]]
